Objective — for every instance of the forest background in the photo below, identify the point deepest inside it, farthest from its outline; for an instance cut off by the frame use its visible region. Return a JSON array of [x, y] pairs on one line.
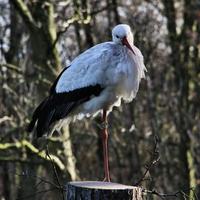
[[157, 134]]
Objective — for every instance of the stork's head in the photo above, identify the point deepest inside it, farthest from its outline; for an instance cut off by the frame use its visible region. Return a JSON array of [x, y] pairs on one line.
[[122, 34]]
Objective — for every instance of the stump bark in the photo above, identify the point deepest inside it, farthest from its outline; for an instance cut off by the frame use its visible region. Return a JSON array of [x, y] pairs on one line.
[[96, 190]]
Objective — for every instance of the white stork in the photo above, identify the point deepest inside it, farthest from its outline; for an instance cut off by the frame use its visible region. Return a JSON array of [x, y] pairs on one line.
[[96, 80]]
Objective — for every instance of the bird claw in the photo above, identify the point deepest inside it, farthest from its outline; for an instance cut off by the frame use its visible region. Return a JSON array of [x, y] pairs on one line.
[[106, 179]]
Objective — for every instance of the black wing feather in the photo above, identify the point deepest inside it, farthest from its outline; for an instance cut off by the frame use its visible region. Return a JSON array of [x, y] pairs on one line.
[[36, 115], [58, 105]]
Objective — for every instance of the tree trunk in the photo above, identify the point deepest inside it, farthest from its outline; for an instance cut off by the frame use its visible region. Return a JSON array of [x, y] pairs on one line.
[[70, 159]]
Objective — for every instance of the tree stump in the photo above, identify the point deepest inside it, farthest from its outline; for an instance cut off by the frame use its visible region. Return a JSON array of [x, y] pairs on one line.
[[96, 190]]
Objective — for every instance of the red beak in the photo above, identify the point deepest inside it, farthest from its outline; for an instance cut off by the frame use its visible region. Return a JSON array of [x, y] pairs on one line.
[[125, 42]]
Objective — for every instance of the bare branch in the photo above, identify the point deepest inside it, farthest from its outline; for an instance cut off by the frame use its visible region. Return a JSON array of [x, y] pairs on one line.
[[12, 67], [76, 18], [5, 118], [108, 6], [33, 149], [69, 22], [55, 172], [25, 13], [38, 192], [166, 195], [42, 180], [154, 159], [19, 160]]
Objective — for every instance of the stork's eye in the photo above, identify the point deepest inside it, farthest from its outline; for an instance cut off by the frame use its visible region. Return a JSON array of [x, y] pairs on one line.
[[117, 36]]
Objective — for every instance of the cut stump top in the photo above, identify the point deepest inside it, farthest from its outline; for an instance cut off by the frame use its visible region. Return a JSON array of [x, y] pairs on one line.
[[98, 190], [101, 185]]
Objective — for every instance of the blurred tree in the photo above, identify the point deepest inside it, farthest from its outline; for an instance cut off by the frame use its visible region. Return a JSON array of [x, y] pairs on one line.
[[182, 51]]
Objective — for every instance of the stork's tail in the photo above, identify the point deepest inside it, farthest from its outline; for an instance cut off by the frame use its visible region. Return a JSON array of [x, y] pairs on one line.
[[47, 113], [38, 115]]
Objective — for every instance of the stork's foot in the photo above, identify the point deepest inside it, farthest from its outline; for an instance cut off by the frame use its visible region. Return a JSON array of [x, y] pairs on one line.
[[103, 125], [106, 179]]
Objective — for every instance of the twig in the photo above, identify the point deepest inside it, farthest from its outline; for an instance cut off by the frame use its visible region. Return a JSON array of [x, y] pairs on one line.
[[38, 192], [154, 159], [166, 195], [36, 185], [42, 180], [76, 18], [68, 23], [55, 172], [108, 6]]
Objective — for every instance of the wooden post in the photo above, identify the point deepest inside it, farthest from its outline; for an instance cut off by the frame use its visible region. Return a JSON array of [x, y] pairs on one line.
[[96, 190]]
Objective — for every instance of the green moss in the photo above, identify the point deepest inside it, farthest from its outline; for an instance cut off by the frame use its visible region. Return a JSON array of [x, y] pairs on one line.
[[191, 173]]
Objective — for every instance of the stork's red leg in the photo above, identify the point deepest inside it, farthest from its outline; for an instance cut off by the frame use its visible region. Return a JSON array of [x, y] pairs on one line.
[[105, 146]]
